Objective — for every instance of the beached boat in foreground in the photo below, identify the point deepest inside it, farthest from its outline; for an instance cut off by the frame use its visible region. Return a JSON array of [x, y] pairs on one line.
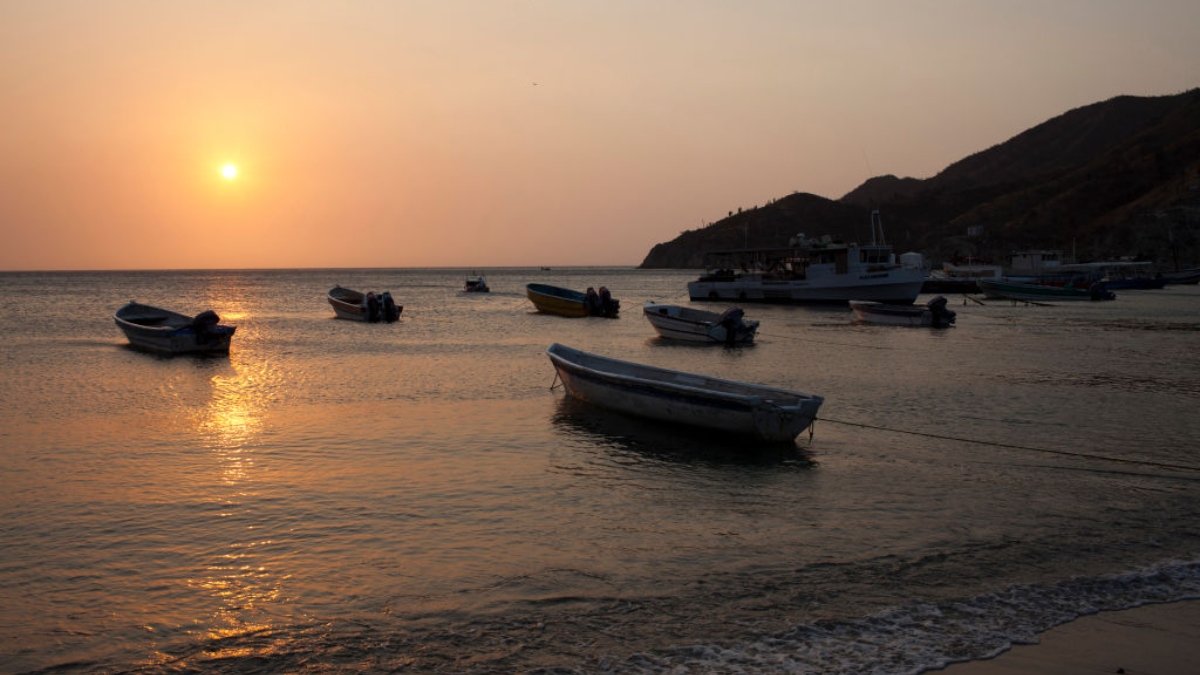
[[166, 332], [566, 302], [761, 412], [1034, 292], [697, 325], [932, 314], [356, 306]]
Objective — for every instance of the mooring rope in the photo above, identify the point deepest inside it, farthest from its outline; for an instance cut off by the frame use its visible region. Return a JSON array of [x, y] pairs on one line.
[[1010, 446], [826, 342]]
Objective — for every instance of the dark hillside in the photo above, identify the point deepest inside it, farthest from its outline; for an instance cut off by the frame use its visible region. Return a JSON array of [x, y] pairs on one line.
[[763, 227], [1117, 178]]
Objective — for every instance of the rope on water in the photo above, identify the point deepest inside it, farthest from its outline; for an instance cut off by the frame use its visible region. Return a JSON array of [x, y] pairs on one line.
[[1064, 453], [826, 342]]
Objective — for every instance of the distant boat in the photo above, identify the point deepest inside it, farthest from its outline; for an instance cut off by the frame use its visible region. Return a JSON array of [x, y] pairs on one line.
[[1034, 292], [697, 325], [1189, 277], [356, 306], [932, 314], [566, 302], [166, 332], [763, 413], [811, 271], [1114, 274], [954, 278], [475, 284]]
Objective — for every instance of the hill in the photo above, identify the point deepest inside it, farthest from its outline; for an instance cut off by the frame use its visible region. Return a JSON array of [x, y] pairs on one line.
[[1112, 179]]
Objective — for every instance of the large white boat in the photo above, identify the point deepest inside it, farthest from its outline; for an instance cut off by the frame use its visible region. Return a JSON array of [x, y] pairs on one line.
[[811, 271]]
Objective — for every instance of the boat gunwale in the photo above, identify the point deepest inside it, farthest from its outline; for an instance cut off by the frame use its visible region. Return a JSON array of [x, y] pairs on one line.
[[749, 400]]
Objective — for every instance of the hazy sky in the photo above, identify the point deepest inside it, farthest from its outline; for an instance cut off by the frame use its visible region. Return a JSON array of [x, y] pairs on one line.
[[477, 133]]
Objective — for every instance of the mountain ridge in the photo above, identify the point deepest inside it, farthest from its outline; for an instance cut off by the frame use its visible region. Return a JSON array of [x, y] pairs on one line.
[[1118, 178]]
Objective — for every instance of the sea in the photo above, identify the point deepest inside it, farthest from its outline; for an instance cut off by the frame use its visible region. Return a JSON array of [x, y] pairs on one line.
[[424, 497]]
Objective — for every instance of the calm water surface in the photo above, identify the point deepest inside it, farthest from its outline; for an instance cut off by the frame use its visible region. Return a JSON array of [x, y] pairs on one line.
[[341, 497]]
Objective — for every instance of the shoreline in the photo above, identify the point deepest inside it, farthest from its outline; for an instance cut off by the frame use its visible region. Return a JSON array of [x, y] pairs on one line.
[[1157, 639]]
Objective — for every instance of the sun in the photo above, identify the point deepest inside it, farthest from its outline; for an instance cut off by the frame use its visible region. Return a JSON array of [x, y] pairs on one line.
[[229, 171]]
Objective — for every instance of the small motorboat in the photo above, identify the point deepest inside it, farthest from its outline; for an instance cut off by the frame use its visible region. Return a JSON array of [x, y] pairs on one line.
[[566, 302], [761, 412], [698, 325], [476, 284], [166, 332], [356, 306], [932, 314]]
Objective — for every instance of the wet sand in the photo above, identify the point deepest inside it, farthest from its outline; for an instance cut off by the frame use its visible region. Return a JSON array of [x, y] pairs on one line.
[[1150, 640]]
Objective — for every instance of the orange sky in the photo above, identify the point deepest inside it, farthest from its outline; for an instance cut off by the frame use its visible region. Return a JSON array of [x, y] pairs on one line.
[[423, 133]]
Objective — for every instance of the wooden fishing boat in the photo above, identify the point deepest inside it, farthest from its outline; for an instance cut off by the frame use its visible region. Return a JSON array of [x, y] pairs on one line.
[[166, 332], [356, 306], [1034, 292], [932, 314], [697, 325], [566, 302], [761, 412]]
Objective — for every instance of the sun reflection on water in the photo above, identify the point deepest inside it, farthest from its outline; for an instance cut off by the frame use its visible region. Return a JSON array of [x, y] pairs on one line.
[[242, 578]]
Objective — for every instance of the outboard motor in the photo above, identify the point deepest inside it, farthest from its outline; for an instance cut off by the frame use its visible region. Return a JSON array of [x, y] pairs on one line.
[[592, 302], [372, 308], [608, 306], [204, 325], [942, 316], [1100, 292], [390, 313], [731, 321]]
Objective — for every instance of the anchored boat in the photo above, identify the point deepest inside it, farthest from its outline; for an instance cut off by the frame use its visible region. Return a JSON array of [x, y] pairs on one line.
[[761, 412], [167, 332], [697, 325]]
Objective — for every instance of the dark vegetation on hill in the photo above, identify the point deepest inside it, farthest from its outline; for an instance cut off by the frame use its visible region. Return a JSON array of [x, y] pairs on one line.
[[1114, 179]]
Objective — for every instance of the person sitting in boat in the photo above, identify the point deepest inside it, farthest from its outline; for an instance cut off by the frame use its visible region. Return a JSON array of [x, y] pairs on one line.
[[731, 321]]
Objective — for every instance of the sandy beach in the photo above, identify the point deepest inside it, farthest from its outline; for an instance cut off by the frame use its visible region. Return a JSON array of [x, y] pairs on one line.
[[1149, 640]]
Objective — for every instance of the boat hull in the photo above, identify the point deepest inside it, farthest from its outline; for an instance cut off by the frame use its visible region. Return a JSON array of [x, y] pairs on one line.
[[560, 305], [898, 286], [694, 325], [162, 331], [1032, 292], [923, 316], [762, 413], [351, 305], [567, 302]]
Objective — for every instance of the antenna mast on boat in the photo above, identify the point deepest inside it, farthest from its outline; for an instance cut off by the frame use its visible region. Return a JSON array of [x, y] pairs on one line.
[[877, 221]]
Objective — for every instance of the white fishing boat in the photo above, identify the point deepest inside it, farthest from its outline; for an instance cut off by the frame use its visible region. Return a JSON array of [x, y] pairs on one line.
[[761, 412], [357, 306], [932, 314], [697, 325], [166, 332], [811, 271]]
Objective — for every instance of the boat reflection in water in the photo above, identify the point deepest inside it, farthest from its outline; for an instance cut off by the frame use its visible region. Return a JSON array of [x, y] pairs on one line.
[[651, 441]]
